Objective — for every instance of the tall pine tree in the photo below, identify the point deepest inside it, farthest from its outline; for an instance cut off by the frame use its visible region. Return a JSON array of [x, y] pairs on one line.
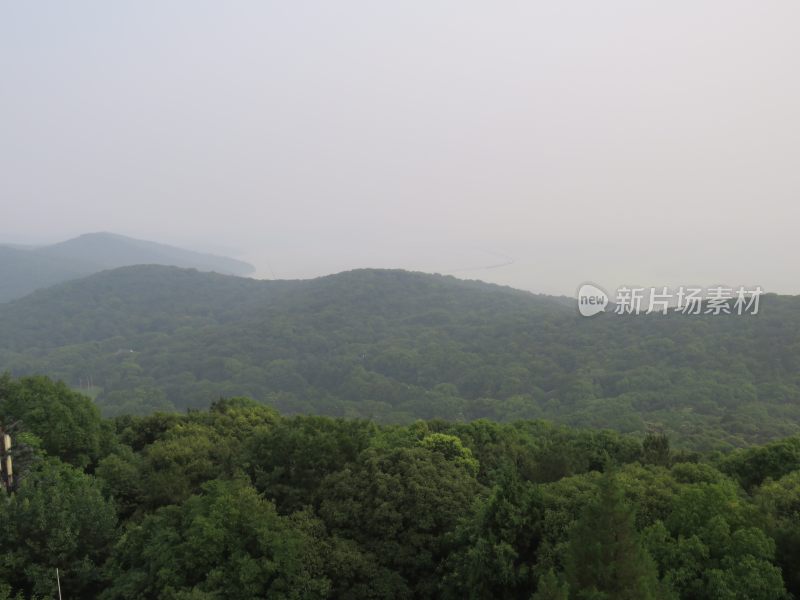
[[551, 588], [605, 559]]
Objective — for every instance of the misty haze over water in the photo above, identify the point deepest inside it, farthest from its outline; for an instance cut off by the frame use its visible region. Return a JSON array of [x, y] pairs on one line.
[[622, 143]]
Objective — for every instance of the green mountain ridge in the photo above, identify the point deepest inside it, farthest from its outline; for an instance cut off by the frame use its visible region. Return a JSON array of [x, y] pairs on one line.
[[395, 346]]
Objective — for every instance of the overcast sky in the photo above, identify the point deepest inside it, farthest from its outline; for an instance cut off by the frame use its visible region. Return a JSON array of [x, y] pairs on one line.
[[539, 144]]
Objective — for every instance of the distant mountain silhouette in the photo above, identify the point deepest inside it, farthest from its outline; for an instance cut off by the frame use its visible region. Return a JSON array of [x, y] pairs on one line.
[[25, 269]]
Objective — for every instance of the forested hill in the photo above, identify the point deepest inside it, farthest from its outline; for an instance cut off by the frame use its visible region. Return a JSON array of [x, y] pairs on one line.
[[25, 269], [395, 346]]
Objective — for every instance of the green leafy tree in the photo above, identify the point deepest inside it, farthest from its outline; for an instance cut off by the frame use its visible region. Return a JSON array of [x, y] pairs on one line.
[[752, 465], [452, 449], [119, 475], [175, 466], [400, 505], [779, 501], [58, 518], [709, 547], [655, 449], [289, 460], [67, 423], [227, 542], [497, 546]]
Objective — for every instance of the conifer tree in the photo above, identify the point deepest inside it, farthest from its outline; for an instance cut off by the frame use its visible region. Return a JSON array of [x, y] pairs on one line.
[[605, 558], [551, 587]]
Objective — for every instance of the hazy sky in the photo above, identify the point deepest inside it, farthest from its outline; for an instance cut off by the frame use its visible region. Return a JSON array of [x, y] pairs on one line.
[[640, 142]]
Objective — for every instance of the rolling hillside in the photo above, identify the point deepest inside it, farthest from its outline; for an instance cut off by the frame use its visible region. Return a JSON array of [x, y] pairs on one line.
[[395, 346]]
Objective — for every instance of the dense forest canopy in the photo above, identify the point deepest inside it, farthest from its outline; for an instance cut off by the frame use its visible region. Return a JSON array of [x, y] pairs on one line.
[[241, 502], [395, 346]]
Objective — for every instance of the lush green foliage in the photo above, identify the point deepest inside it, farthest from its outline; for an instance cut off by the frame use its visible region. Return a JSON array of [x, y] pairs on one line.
[[239, 502], [393, 346]]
